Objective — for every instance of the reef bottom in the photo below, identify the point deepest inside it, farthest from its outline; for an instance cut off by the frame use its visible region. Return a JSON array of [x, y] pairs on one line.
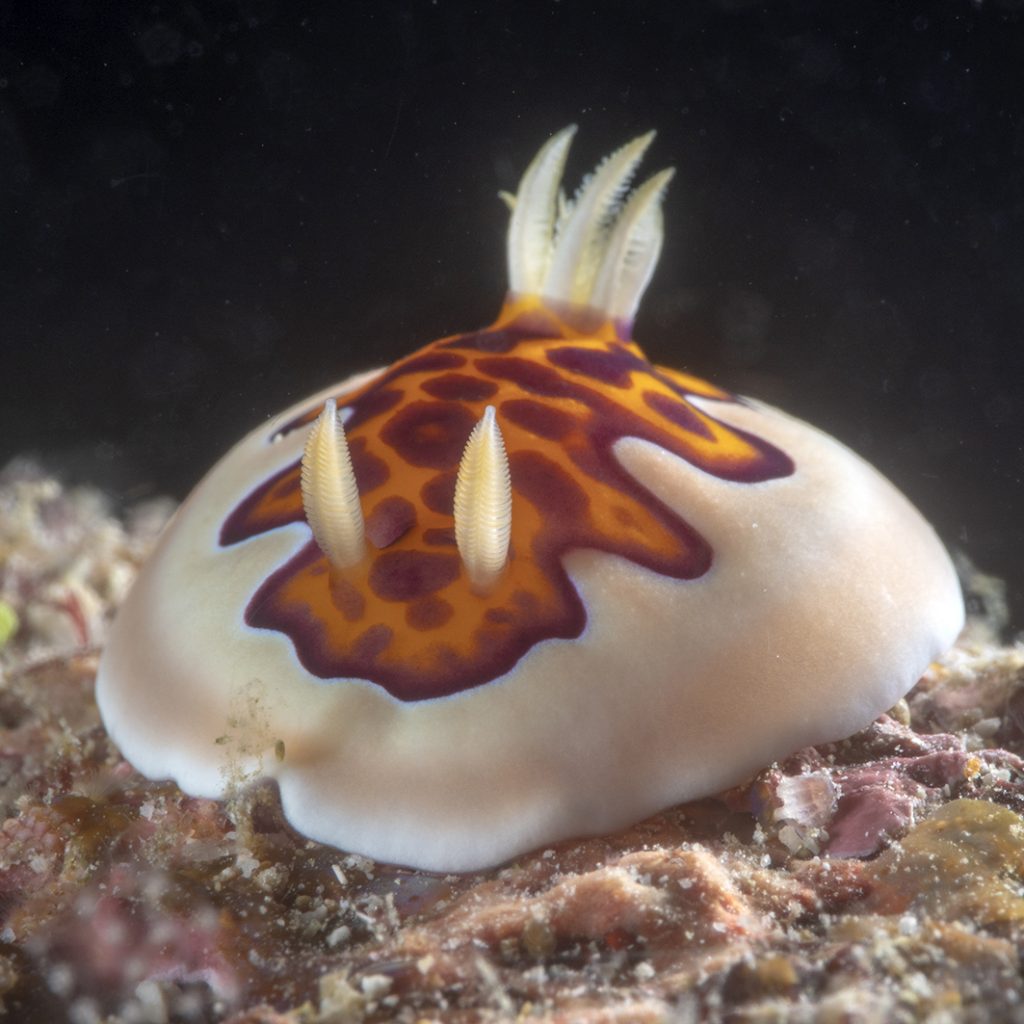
[[875, 879]]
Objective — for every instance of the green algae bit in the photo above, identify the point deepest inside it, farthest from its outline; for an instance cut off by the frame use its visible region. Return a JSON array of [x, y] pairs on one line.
[[8, 623]]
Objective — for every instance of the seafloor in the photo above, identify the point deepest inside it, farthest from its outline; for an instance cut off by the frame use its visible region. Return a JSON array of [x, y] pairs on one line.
[[877, 879]]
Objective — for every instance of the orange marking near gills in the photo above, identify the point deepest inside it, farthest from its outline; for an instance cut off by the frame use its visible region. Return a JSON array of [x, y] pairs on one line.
[[564, 392]]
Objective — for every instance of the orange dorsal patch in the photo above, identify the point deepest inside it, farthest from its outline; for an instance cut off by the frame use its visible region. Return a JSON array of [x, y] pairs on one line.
[[406, 617]]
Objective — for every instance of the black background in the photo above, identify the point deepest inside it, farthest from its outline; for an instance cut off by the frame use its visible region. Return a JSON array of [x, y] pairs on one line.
[[210, 209]]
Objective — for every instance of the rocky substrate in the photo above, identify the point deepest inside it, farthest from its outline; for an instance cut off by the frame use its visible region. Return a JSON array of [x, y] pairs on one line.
[[876, 879]]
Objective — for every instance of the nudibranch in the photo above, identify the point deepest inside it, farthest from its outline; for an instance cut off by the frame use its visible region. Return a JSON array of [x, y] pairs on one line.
[[523, 585]]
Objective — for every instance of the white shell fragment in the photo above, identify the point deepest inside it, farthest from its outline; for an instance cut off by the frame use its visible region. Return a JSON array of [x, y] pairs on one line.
[[823, 598]]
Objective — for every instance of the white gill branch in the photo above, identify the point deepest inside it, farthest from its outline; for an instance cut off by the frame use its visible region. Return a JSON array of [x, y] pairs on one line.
[[597, 250], [532, 226], [579, 244], [632, 250]]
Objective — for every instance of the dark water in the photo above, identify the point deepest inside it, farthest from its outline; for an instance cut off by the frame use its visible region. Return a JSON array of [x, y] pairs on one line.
[[210, 209]]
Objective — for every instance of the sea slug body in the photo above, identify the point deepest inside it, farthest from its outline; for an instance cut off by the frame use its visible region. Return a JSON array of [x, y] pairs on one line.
[[523, 584]]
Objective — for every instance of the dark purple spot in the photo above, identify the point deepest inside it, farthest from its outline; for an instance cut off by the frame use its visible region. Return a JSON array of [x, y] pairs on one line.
[[390, 519], [438, 493], [431, 434], [370, 470], [432, 362], [499, 616], [407, 575], [680, 413], [525, 602], [590, 461], [345, 596], [430, 612], [372, 643], [448, 662], [612, 365], [530, 376], [459, 387], [547, 486], [624, 516], [373, 404], [546, 421], [438, 537]]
